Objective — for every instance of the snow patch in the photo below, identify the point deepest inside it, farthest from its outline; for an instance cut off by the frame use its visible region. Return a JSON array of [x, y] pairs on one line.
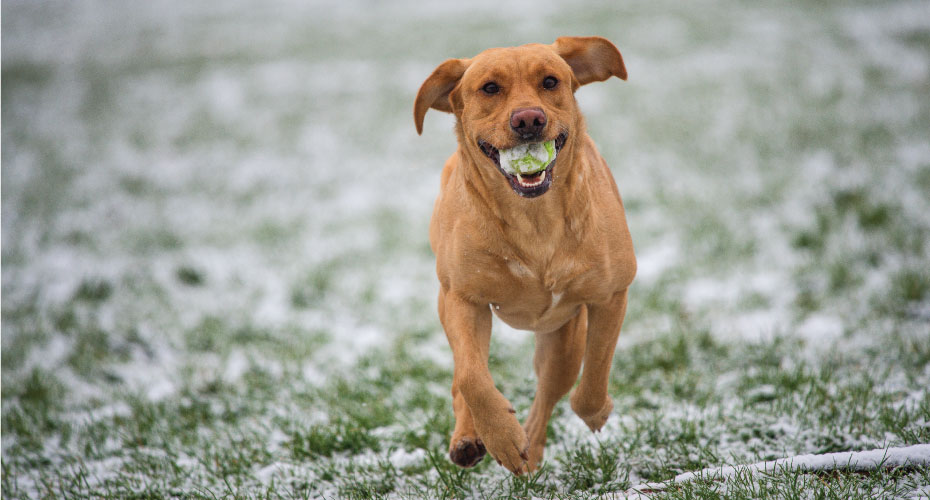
[[917, 455]]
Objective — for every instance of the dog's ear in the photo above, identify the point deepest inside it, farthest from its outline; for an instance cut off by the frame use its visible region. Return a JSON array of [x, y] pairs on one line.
[[434, 93], [592, 58]]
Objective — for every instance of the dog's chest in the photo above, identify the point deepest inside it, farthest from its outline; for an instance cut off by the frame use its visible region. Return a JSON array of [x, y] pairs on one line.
[[551, 278], [542, 297]]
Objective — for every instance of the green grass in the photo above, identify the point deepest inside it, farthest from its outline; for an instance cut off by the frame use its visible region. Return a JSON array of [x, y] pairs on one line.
[[786, 484], [217, 281], [687, 402]]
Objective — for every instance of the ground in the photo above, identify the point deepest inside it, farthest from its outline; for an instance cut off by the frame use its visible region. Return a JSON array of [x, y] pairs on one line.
[[216, 279]]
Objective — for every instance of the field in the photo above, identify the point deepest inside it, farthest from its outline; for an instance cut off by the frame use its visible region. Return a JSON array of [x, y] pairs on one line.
[[216, 279]]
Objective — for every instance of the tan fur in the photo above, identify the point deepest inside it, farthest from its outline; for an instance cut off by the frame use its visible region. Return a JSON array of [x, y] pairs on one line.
[[558, 264]]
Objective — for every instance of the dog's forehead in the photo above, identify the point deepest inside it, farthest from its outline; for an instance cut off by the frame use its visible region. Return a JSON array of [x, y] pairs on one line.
[[511, 59]]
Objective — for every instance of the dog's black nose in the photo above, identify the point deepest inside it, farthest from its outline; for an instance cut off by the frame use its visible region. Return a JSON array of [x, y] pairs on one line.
[[528, 122]]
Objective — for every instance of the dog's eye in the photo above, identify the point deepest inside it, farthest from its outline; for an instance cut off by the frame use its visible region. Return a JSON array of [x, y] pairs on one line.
[[491, 88], [550, 82]]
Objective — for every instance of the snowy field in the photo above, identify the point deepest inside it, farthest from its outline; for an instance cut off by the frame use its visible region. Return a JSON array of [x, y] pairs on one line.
[[216, 279]]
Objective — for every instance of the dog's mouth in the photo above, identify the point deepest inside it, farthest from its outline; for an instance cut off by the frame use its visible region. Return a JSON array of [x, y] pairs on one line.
[[527, 181]]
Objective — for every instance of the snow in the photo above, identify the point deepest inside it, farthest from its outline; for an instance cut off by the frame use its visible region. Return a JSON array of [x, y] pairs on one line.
[[920, 493], [403, 458], [824, 328], [916, 455]]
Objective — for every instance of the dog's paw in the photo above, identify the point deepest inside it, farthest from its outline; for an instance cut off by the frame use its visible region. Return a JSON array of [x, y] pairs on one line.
[[467, 452], [534, 457], [593, 415], [536, 434], [506, 442]]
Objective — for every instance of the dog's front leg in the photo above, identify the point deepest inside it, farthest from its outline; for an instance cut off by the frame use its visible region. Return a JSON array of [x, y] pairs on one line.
[[485, 410], [590, 400]]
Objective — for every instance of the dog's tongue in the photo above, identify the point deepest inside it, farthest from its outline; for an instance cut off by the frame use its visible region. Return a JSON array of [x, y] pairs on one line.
[[527, 158]]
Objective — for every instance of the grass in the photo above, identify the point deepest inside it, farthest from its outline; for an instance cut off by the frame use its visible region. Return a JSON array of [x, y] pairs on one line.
[[718, 404], [784, 484], [217, 281]]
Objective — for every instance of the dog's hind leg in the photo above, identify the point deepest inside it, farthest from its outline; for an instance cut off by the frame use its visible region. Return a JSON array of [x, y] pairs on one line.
[[590, 400], [557, 362]]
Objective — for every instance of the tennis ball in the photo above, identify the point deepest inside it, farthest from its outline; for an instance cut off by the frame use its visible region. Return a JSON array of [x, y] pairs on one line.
[[527, 158]]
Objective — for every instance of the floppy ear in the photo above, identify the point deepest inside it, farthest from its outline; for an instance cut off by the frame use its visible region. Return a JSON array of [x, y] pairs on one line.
[[592, 58], [434, 93]]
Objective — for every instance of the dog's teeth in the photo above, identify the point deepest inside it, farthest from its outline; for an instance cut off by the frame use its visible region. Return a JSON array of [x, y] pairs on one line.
[[537, 180]]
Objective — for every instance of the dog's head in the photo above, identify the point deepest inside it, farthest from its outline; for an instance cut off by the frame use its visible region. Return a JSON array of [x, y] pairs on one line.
[[519, 97]]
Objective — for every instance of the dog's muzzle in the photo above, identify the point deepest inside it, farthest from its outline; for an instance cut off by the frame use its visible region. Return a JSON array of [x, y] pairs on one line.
[[526, 185]]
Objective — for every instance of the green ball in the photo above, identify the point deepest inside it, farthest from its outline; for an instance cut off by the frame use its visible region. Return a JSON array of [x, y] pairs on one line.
[[528, 159]]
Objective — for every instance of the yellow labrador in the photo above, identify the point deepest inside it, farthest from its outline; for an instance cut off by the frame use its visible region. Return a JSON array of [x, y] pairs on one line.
[[545, 247]]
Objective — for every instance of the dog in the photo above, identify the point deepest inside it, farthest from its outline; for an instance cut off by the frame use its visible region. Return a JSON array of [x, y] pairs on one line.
[[548, 252]]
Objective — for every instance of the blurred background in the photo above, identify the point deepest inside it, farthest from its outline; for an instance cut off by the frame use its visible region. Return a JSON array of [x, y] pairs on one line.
[[225, 205]]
